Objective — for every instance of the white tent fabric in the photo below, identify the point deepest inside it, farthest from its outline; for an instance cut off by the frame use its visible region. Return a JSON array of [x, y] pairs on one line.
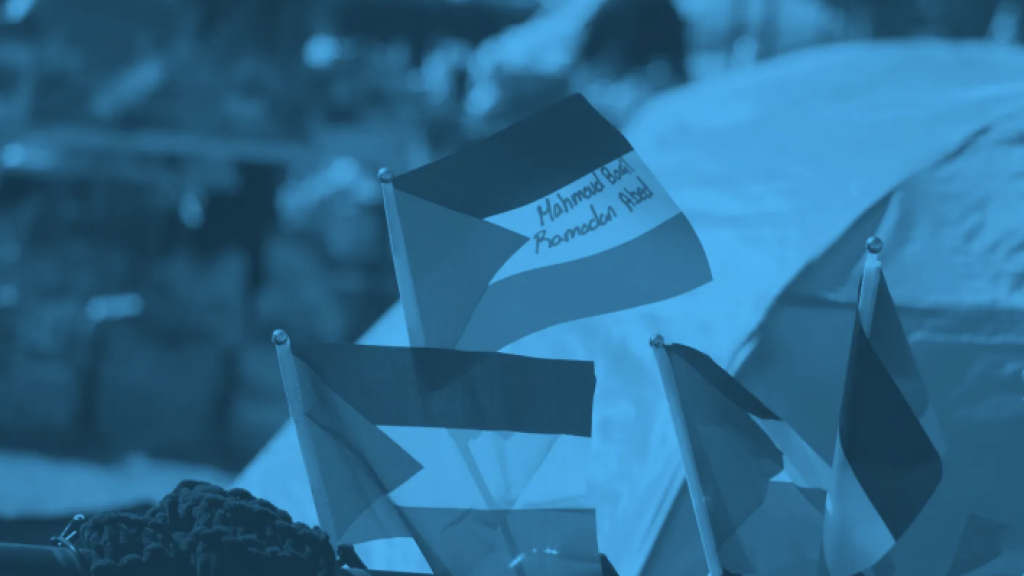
[[772, 165], [954, 260]]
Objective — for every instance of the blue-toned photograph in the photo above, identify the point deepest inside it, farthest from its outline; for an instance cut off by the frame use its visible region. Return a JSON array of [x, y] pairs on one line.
[[512, 288]]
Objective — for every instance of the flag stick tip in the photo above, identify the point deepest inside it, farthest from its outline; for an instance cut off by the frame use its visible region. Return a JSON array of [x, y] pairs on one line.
[[280, 337], [874, 245], [657, 341], [385, 176]]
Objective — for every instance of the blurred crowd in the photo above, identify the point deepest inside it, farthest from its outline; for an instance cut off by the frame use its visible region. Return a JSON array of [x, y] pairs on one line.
[[180, 177]]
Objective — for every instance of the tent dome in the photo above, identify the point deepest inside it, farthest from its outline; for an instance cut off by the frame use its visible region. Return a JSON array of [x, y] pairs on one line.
[[954, 260], [774, 166]]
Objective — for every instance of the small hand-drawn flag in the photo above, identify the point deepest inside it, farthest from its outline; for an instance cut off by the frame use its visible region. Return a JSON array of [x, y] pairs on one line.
[[754, 524], [887, 463], [482, 458], [554, 219]]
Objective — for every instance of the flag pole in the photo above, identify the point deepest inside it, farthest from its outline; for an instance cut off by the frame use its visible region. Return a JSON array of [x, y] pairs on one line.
[[867, 294], [869, 282], [400, 256], [700, 507], [418, 337], [295, 393], [296, 408]]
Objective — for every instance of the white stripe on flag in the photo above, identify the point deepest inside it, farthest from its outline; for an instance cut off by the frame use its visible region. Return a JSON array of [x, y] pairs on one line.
[[522, 471], [802, 465], [612, 205], [855, 537]]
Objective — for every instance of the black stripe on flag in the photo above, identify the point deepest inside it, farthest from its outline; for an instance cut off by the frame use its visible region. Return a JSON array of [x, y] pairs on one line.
[[889, 341], [521, 164], [721, 381], [887, 448], [437, 388]]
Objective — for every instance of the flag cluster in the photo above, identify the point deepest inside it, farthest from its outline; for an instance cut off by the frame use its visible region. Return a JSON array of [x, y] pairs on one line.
[[483, 458], [887, 467]]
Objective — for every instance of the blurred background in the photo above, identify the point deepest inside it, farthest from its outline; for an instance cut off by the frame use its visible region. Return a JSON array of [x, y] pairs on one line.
[[180, 177]]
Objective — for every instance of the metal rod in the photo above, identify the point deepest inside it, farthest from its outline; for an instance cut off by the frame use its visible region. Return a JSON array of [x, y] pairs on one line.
[[700, 507], [400, 255], [869, 283], [296, 407]]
